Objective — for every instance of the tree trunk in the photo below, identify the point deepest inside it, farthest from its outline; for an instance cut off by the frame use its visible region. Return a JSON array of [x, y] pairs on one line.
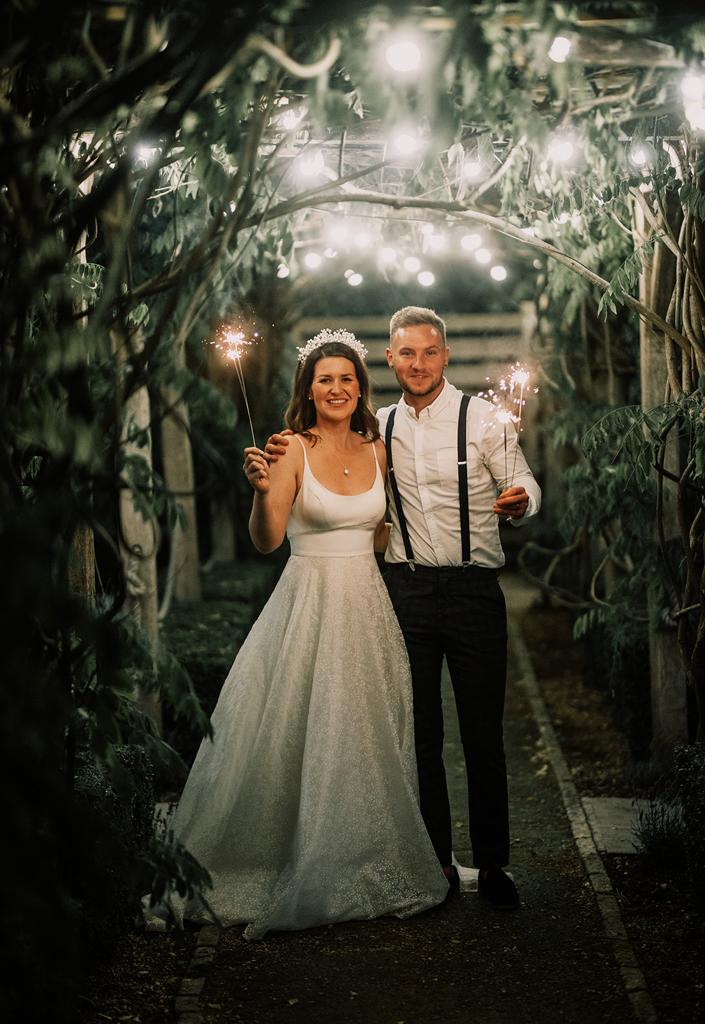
[[668, 676], [222, 529], [184, 570]]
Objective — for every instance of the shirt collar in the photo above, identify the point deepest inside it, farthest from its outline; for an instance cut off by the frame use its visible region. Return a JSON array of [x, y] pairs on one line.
[[437, 405]]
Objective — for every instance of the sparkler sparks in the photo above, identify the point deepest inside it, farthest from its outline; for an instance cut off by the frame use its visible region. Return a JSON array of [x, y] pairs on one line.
[[509, 401], [233, 340]]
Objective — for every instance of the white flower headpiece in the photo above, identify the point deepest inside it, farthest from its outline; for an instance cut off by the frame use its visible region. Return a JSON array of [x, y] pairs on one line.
[[325, 336]]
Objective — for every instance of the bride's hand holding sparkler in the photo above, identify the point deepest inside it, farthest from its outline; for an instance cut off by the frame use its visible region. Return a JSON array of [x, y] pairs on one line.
[[512, 503], [256, 470]]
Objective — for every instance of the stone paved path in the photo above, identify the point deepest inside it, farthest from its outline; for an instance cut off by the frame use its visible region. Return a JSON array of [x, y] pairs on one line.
[[549, 962]]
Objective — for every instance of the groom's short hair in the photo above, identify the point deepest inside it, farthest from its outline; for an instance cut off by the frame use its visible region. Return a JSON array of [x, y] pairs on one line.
[[412, 316]]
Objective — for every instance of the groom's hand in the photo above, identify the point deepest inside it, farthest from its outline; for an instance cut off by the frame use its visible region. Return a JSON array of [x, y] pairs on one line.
[[511, 504], [276, 445]]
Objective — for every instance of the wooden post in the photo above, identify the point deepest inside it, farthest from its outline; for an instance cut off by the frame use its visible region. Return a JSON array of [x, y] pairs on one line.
[[668, 677]]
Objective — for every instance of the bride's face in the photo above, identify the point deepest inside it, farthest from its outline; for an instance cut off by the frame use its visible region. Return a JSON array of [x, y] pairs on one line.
[[334, 389]]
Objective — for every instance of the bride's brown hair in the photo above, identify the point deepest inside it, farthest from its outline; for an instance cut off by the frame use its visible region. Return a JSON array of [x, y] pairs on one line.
[[301, 413]]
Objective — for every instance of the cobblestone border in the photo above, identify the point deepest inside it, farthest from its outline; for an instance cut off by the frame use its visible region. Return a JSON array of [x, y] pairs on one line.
[[632, 976], [188, 1000]]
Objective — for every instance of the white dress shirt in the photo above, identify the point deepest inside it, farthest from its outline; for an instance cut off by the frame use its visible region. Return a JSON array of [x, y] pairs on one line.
[[425, 457]]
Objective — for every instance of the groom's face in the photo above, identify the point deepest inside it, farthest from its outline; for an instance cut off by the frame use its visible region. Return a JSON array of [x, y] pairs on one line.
[[418, 357]]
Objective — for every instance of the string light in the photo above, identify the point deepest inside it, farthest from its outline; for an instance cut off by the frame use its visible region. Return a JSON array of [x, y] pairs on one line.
[[426, 278], [338, 232], [471, 242], [436, 242], [387, 255], [472, 169], [404, 142], [283, 271], [362, 240], [311, 165], [329, 253], [412, 264], [403, 54], [313, 260], [559, 49], [693, 90], [355, 279], [498, 272], [562, 149], [483, 255]]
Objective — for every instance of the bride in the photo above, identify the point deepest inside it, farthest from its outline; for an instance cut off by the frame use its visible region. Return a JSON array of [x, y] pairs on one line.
[[304, 806]]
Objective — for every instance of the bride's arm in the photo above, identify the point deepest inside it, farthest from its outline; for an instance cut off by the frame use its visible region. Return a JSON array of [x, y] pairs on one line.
[[275, 486]]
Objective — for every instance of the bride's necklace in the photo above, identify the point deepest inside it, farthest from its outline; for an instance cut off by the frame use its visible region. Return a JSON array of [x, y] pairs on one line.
[[346, 471]]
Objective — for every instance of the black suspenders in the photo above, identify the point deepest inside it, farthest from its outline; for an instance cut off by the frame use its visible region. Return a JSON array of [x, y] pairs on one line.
[[462, 484]]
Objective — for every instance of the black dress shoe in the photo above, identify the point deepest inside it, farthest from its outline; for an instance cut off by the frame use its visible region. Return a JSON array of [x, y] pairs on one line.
[[496, 887]]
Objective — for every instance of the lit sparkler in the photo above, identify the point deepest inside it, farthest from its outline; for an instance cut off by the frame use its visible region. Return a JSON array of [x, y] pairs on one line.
[[232, 340], [509, 401]]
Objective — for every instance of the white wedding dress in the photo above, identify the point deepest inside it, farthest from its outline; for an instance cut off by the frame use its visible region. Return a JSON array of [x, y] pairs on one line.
[[304, 806]]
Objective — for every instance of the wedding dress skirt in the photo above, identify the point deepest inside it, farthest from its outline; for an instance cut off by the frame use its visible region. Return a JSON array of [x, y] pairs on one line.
[[304, 806]]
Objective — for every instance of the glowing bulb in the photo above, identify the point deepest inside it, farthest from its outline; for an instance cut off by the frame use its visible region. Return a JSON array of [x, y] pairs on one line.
[[310, 165], [283, 271], [338, 232], [561, 150], [693, 87], [638, 156], [354, 280], [412, 264], [348, 273], [426, 278], [387, 255], [329, 253], [403, 55], [145, 154], [483, 255], [471, 242], [498, 272], [695, 112], [560, 48], [312, 260], [472, 170], [404, 142]]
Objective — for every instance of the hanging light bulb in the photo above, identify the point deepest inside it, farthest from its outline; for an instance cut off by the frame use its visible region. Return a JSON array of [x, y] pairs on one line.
[[354, 280], [312, 260], [387, 255], [498, 272], [471, 241], [483, 255], [562, 149], [403, 54], [426, 278], [412, 264], [560, 48], [283, 271]]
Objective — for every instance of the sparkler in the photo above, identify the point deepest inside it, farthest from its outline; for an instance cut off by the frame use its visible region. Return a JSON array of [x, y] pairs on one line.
[[232, 340], [509, 406]]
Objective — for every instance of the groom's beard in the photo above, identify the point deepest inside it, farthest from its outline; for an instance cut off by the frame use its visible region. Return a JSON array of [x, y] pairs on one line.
[[422, 388]]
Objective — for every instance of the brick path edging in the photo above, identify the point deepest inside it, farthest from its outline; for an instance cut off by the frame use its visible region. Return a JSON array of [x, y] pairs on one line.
[[632, 976], [188, 1000]]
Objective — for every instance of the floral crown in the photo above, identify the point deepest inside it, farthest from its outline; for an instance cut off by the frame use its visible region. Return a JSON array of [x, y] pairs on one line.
[[325, 336]]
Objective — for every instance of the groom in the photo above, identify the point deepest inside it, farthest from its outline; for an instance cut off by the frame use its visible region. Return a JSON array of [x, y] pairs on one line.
[[447, 458]]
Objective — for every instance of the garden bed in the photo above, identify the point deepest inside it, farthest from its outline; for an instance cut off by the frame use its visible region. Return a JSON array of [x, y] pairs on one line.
[[655, 898]]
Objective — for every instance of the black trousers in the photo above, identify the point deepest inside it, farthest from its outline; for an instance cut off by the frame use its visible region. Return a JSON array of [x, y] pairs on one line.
[[460, 613]]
